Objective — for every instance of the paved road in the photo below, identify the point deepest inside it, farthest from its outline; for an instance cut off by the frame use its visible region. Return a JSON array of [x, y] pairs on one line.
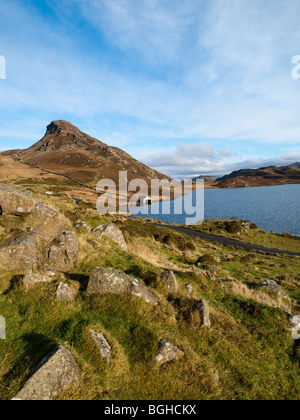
[[227, 241]]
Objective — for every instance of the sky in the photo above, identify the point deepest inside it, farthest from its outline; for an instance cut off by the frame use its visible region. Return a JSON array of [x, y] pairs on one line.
[[188, 87]]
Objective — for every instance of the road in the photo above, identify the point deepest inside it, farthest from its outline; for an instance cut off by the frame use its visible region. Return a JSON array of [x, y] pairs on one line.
[[227, 241]]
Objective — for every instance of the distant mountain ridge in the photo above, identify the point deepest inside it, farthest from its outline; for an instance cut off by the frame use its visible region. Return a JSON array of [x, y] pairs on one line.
[[65, 149], [266, 176]]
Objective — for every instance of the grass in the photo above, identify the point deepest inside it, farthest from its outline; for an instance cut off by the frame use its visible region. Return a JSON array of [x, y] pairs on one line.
[[249, 352]]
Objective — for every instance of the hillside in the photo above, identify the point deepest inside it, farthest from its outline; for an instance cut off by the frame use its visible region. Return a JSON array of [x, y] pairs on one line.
[[139, 311], [268, 176], [66, 150]]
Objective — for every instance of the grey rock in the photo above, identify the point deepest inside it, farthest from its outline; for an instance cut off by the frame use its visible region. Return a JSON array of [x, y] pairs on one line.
[[15, 201], [56, 373], [102, 344], [66, 293], [111, 231], [48, 222], [63, 250], [32, 279], [272, 285], [199, 314], [189, 288], [20, 253], [82, 226], [115, 282], [167, 352], [169, 280]]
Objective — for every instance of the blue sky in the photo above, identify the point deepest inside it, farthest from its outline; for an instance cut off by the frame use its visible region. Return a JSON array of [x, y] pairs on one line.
[[186, 86]]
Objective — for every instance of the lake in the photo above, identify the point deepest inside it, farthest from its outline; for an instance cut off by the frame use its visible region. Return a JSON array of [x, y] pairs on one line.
[[275, 209]]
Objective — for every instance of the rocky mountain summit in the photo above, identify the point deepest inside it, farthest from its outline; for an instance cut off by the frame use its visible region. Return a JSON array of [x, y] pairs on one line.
[[65, 149]]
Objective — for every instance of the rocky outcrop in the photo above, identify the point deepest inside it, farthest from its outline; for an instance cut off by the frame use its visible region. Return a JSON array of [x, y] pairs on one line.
[[111, 231], [56, 373], [167, 352], [273, 286], [32, 279], [115, 282], [49, 223], [102, 345], [67, 293], [169, 280], [63, 250], [20, 252], [199, 314], [14, 201]]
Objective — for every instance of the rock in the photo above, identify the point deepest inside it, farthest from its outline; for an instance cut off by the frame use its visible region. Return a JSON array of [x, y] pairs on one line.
[[15, 201], [32, 279], [49, 223], [189, 288], [168, 352], [102, 344], [111, 231], [63, 250], [212, 267], [169, 280], [199, 314], [49, 271], [82, 226], [67, 292], [56, 373], [272, 285], [20, 253], [112, 281]]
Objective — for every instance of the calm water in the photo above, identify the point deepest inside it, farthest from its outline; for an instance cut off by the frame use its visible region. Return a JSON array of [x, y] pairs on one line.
[[274, 209]]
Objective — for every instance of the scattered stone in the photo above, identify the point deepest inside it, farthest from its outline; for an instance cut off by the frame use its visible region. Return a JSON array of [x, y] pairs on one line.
[[32, 279], [212, 268], [49, 223], [49, 271], [199, 314], [20, 253], [102, 344], [272, 285], [82, 226], [112, 281], [169, 280], [67, 293], [63, 250], [189, 288], [111, 231], [56, 373], [168, 352], [15, 201]]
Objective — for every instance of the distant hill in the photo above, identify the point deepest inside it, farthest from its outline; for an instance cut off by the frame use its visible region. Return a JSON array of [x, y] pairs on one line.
[[206, 178], [267, 176], [66, 150]]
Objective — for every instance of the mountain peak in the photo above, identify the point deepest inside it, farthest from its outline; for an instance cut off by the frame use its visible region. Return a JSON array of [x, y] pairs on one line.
[[61, 126]]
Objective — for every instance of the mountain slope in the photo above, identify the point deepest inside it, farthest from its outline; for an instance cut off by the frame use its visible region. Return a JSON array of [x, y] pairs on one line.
[[268, 176], [65, 149]]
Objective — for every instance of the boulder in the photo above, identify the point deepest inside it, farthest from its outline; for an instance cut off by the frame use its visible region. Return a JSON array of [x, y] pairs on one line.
[[82, 226], [168, 352], [56, 373], [32, 279], [20, 253], [63, 250], [111, 231], [272, 285], [102, 345], [67, 292], [189, 288], [115, 282], [49, 223], [199, 314], [169, 280], [15, 201]]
